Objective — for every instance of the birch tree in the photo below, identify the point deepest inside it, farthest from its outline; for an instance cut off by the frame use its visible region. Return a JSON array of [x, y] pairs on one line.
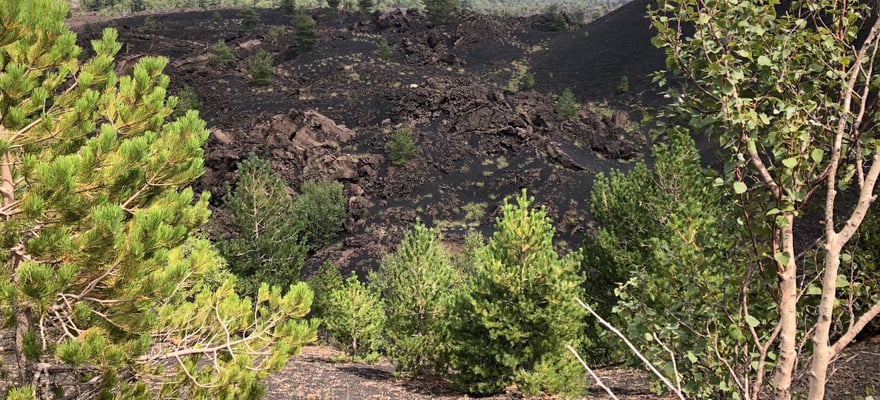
[[790, 92]]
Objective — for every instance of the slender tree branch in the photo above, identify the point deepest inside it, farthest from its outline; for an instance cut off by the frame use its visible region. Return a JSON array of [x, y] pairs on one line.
[[635, 351], [590, 371]]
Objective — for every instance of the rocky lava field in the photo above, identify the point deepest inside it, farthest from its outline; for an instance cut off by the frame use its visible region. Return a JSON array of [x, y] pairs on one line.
[[330, 112]]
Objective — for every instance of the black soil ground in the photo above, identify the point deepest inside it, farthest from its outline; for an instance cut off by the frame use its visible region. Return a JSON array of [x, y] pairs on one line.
[[330, 112]]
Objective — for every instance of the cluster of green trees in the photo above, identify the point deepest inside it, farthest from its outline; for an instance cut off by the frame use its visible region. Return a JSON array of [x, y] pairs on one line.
[[500, 313], [273, 232], [759, 299]]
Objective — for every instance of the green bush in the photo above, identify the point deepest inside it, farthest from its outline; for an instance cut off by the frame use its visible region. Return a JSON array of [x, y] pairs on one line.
[[566, 104], [261, 69], [249, 19], [623, 86], [306, 36], [321, 211], [416, 282], [333, 4], [323, 284], [384, 49], [401, 148], [671, 228], [528, 81], [187, 99], [151, 23], [366, 6], [355, 319], [559, 23], [288, 8], [275, 33], [265, 246], [513, 319], [221, 54]]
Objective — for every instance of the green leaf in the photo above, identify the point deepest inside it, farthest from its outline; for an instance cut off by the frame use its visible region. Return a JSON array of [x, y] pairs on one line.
[[764, 61], [703, 19], [752, 321], [739, 187], [813, 290], [817, 155], [841, 281], [782, 258], [735, 332], [790, 162]]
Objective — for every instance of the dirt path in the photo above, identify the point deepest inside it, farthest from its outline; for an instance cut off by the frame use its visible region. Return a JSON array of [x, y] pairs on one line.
[[313, 375]]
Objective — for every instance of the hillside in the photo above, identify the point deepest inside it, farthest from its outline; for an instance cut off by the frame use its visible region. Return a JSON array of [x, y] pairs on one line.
[[478, 141]]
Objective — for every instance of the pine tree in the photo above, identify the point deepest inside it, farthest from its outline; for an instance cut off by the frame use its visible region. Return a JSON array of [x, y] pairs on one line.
[[288, 8], [383, 49], [266, 247], [249, 19], [441, 11], [105, 280], [323, 284], [566, 104], [221, 54], [306, 36], [416, 282], [516, 315], [320, 212], [261, 68], [355, 319]]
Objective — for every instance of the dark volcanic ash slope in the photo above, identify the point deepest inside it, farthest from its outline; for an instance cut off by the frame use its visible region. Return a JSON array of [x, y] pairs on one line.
[[330, 112], [593, 59]]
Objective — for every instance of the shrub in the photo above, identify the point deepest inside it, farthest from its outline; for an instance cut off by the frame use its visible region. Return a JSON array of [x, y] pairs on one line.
[[221, 54], [384, 49], [320, 210], [264, 247], [187, 99], [333, 4], [323, 284], [511, 322], [559, 23], [466, 261], [401, 148], [261, 68], [275, 33], [670, 227], [356, 319], [365, 5], [288, 8], [249, 19], [416, 282], [306, 36], [623, 86], [566, 104], [528, 81], [151, 23], [217, 17]]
